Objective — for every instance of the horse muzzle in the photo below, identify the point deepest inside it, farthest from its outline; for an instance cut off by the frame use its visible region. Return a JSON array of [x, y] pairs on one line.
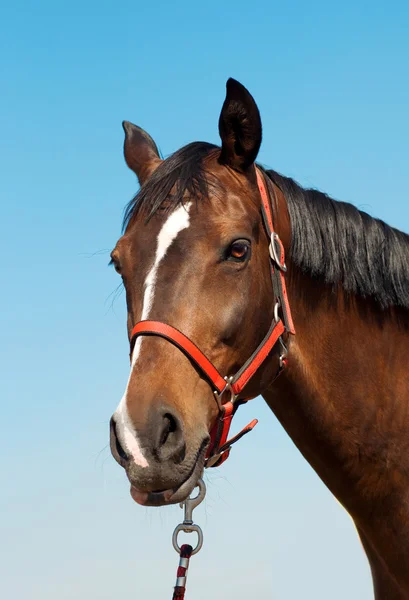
[[160, 471]]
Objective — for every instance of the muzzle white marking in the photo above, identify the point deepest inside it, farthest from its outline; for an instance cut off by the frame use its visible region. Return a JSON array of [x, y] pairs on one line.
[[176, 222]]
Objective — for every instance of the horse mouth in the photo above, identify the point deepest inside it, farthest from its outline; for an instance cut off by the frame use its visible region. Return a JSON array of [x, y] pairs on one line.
[[177, 494]]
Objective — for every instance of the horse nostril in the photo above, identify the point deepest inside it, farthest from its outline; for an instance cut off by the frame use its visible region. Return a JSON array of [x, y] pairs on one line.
[[171, 443], [170, 426], [121, 452]]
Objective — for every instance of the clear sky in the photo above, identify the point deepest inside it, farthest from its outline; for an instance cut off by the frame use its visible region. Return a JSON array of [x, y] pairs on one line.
[[331, 81]]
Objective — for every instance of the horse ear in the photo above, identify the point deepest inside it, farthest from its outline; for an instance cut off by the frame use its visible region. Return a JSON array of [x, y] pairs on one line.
[[239, 127], [140, 151]]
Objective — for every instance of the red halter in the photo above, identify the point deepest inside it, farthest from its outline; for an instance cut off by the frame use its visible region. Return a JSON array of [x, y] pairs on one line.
[[219, 448]]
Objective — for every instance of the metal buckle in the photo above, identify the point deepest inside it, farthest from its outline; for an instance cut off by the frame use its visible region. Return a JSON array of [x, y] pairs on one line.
[[227, 388], [276, 309], [273, 252], [188, 526], [283, 355]]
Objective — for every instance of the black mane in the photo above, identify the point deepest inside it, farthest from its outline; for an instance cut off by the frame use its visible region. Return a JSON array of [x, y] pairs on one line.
[[331, 240], [338, 243]]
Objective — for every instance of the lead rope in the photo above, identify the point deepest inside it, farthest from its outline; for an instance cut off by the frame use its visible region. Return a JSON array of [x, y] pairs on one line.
[[186, 550], [181, 575]]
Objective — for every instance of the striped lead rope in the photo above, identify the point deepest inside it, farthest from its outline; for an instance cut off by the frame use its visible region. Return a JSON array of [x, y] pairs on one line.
[[180, 587]]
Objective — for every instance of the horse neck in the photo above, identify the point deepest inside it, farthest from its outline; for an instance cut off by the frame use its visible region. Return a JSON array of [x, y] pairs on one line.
[[335, 398]]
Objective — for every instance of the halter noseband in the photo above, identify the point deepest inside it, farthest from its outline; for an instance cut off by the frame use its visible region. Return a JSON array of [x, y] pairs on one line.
[[231, 387]]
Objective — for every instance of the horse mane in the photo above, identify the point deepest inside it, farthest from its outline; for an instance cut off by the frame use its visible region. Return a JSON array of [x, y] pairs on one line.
[[332, 241], [338, 243]]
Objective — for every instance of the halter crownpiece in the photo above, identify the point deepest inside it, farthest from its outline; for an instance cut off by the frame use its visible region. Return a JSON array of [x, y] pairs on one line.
[[228, 388]]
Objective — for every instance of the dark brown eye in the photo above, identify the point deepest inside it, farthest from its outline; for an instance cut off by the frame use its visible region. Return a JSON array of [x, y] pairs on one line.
[[239, 251]]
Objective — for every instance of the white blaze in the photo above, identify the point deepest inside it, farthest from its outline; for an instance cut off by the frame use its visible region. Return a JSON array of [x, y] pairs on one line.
[[176, 222]]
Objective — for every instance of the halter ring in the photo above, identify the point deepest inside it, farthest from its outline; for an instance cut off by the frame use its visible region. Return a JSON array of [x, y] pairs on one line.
[[273, 252], [188, 529]]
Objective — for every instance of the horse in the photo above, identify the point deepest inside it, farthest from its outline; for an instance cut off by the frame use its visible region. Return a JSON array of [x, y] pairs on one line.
[[196, 260]]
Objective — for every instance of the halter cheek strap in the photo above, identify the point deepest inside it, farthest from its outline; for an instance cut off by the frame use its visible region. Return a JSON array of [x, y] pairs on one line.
[[227, 389]]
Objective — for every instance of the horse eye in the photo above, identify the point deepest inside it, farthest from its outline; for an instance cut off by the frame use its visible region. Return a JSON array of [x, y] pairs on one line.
[[239, 251]]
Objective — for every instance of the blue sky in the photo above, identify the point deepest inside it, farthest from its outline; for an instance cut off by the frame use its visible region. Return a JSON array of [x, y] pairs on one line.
[[331, 81]]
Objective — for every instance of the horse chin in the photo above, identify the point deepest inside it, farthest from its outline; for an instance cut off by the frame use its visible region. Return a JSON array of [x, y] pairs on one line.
[[174, 495]]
